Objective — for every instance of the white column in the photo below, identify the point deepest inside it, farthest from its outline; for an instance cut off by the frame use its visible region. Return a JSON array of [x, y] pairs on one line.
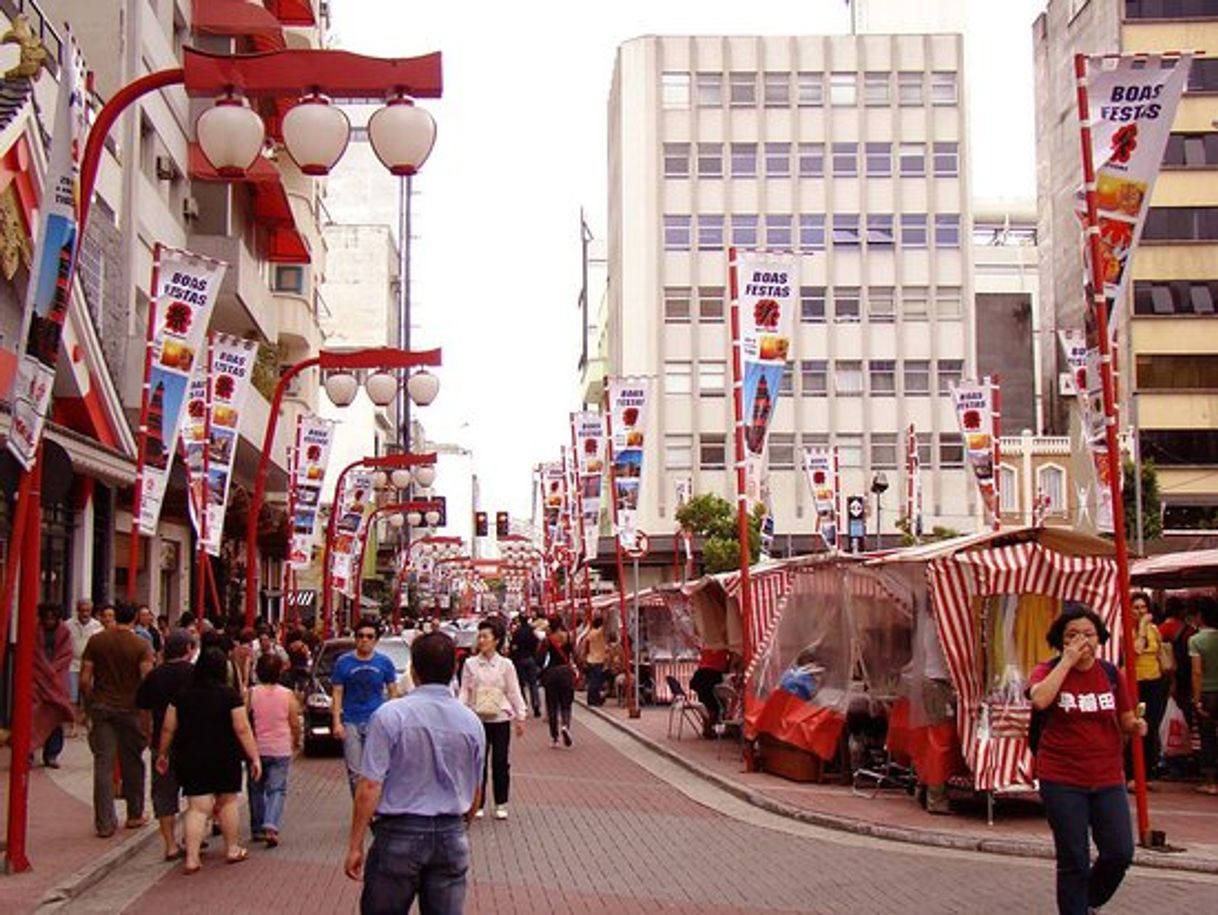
[[1026, 476], [82, 552]]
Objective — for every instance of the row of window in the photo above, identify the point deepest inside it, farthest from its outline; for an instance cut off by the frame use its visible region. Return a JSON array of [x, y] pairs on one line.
[[1176, 372], [1182, 297], [847, 230], [847, 304], [1191, 150], [850, 377], [1181, 224], [885, 450], [783, 89], [775, 160], [1180, 447], [1170, 9]]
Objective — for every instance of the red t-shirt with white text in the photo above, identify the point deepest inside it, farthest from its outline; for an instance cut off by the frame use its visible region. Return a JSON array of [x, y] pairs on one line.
[[1082, 742]]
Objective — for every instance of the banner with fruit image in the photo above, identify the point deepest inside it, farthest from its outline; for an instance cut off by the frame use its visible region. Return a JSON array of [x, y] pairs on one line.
[[628, 403], [551, 501], [590, 456], [314, 436], [186, 288], [974, 402], [354, 506], [820, 468], [766, 294]]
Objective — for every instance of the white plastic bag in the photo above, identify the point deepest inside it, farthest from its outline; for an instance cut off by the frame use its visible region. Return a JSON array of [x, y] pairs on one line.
[[1173, 731]]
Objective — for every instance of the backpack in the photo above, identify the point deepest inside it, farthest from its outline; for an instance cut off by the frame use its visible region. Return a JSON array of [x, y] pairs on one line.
[[1036, 726]]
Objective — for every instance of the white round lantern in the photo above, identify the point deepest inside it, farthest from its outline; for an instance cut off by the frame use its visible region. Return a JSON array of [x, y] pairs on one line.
[[402, 136], [315, 134], [382, 387], [231, 136], [425, 474], [400, 478], [414, 519], [380, 479], [341, 388], [433, 517], [397, 519], [423, 387]]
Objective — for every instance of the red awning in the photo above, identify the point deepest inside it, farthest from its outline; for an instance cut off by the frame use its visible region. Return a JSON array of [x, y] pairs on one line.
[[292, 12], [237, 18], [272, 209]]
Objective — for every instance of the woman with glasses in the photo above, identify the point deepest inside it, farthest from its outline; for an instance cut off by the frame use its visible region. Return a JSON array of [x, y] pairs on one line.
[[361, 681]]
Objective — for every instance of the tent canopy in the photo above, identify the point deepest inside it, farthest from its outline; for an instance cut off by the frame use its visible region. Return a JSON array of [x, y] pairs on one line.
[[1189, 569]]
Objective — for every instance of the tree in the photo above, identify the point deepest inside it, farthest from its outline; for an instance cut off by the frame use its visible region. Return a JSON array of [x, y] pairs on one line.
[[714, 518], [1152, 515], [938, 532]]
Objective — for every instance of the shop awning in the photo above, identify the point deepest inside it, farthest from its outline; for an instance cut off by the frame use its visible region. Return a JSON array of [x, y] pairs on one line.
[[1192, 568], [238, 18], [297, 13]]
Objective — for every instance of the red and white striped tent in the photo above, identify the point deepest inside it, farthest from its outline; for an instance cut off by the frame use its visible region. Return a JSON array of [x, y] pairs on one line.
[[715, 604], [1052, 562], [1186, 569]]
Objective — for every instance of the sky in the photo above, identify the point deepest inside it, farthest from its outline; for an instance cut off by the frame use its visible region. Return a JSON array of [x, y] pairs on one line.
[[521, 148]]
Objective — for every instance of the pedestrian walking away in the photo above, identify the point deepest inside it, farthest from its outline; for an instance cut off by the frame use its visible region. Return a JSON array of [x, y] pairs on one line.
[[489, 687], [1082, 709], [160, 688], [1203, 658], [524, 656], [205, 736], [419, 777], [112, 665], [361, 681], [595, 654], [558, 678], [53, 705], [278, 732]]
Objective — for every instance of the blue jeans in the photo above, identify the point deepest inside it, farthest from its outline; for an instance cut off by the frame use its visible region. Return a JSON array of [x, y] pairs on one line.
[[353, 750], [414, 856], [596, 683], [1073, 813], [268, 794], [53, 745]]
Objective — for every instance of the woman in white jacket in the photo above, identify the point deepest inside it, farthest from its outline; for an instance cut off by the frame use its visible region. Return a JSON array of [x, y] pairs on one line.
[[489, 686]]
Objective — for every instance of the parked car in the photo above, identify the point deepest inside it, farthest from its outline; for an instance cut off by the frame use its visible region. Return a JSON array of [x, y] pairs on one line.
[[318, 720]]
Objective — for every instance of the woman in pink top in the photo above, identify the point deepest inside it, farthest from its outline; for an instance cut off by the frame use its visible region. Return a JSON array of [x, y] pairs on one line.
[[277, 731], [489, 686]]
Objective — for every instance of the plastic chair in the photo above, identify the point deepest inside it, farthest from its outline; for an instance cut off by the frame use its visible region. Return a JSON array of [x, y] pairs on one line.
[[683, 708], [731, 713]]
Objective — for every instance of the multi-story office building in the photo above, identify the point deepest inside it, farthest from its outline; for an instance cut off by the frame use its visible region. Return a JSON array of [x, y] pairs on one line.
[[850, 150], [1170, 352]]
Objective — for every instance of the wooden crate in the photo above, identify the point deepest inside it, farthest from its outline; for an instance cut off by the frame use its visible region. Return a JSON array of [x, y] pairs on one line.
[[790, 762]]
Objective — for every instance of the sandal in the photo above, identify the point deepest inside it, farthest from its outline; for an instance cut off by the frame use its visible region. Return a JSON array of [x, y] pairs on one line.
[[191, 869], [139, 823], [1207, 789], [241, 855], [176, 855]]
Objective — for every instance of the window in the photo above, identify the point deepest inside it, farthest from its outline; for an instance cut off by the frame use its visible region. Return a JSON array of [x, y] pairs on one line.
[[845, 160], [877, 89], [1181, 223], [951, 450], [676, 160], [1181, 447], [782, 450], [1170, 9], [289, 278], [883, 450], [848, 377], [917, 376], [1195, 371], [710, 160], [778, 231], [1051, 484], [913, 230], [1191, 150], [812, 304], [678, 452], [1203, 74], [881, 304], [947, 230], [814, 377], [846, 304], [812, 232], [710, 232], [743, 89], [909, 89], [879, 230], [912, 159], [676, 233], [710, 90], [712, 377], [811, 160], [925, 446], [850, 451], [677, 378], [744, 160], [845, 230], [712, 451], [786, 381], [913, 303], [778, 160], [777, 90], [843, 88], [710, 304], [811, 89], [947, 160], [674, 91], [744, 230], [943, 89], [676, 304], [1008, 489], [883, 375], [879, 160], [949, 372], [1182, 297], [947, 302]]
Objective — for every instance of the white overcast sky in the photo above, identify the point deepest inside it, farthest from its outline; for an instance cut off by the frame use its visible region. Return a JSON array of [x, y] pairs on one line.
[[521, 148]]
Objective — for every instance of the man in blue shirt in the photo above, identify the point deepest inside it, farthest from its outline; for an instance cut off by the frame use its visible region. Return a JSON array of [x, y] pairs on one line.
[[420, 775], [359, 684]]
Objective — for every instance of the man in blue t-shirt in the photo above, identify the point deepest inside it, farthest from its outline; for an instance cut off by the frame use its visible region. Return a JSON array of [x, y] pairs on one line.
[[361, 681]]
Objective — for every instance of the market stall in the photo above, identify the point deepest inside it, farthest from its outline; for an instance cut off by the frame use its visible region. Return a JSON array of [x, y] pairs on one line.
[[1176, 571]]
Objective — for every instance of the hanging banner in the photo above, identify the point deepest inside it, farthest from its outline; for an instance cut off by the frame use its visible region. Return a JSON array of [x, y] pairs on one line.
[[186, 288], [821, 472], [913, 482], [1096, 497], [974, 402], [354, 506], [628, 406], [767, 294], [551, 501], [590, 455], [314, 436], [50, 285]]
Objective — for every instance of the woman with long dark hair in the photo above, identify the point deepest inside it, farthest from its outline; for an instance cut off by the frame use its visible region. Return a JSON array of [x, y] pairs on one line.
[[558, 679]]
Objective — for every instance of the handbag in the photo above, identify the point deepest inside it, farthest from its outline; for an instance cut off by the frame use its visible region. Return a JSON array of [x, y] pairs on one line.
[[488, 702], [1167, 657]]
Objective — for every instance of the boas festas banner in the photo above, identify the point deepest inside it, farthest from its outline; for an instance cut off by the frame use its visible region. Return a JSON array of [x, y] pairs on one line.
[[314, 436], [590, 458], [820, 468], [354, 507], [628, 404], [974, 402]]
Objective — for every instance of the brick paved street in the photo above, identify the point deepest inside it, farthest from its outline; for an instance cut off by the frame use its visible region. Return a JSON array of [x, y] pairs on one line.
[[608, 827]]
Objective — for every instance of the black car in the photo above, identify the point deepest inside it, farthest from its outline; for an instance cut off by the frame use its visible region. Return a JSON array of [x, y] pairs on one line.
[[318, 722]]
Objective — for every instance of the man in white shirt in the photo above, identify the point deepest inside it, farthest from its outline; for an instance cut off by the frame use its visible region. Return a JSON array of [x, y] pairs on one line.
[[83, 627]]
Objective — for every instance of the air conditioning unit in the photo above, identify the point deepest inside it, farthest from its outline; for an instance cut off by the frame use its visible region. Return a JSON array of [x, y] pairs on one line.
[[165, 168], [190, 208], [1066, 385]]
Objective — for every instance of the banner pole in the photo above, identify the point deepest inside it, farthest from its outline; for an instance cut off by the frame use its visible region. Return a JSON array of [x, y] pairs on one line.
[[13, 566], [141, 454], [628, 647], [742, 499], [996, 434], [1099, 308]]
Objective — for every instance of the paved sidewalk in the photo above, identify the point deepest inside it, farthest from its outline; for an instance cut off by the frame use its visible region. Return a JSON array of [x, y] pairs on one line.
[[1189, 819]]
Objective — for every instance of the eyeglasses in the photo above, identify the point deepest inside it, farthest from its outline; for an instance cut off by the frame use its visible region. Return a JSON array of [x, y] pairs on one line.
[[365, 635]]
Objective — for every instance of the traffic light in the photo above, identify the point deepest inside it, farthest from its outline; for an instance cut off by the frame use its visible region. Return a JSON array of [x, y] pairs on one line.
[[501, 525], [480, 525]]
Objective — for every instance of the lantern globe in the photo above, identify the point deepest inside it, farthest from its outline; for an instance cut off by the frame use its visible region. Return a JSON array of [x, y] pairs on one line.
[[414, 519], [423, 387], [425, 474], [341, 388], [402, 135], [433, 517], [382, 387], [231, 136], [380, 479], [397, 519], [315, 134], [400, 477]]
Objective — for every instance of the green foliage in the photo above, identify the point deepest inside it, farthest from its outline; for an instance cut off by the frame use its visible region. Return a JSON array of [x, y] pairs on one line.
[[938, 532], [265, 375], [714, 518], [1152, 515]]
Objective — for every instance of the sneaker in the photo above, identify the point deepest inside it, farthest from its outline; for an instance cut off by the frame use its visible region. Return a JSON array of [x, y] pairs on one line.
[[501, 812], [480, 814], [554, 746], [566, 737]]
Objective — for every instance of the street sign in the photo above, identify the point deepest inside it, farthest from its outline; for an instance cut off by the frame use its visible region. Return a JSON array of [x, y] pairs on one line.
[[856, 530]]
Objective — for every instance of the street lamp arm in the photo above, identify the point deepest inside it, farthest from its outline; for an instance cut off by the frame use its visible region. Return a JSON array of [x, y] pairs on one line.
[[338, 74], [377, 357]]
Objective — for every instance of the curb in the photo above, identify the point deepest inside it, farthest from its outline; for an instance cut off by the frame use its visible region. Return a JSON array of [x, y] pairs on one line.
[[75, 884], [1010, 847]]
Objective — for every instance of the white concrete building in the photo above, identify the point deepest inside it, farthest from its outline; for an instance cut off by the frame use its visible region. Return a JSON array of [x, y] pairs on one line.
[[851, 150]]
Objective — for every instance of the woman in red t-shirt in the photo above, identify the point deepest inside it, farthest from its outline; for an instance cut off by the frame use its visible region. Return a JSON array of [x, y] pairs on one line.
[[1088, 711]]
